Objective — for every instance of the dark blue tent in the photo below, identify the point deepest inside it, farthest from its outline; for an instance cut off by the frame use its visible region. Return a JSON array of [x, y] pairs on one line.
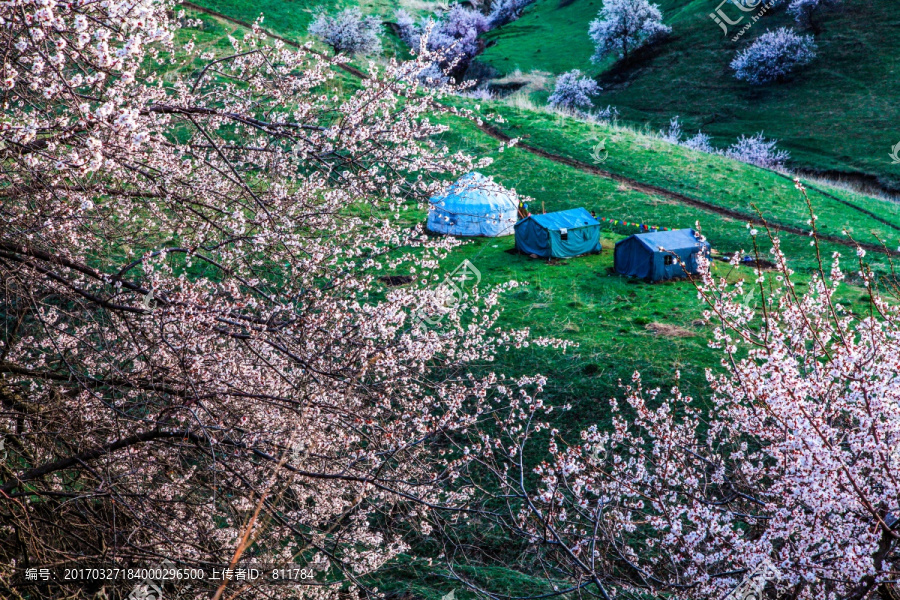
[[653, 255], [558, 234]]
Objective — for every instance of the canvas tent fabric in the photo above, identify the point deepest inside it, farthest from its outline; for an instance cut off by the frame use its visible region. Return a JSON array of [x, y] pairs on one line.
[[650, 255], [559, 234], [473, 206]]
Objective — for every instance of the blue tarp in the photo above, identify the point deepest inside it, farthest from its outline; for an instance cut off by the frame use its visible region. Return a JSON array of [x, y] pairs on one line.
[[650, 255], [559, 234], [474, 205]]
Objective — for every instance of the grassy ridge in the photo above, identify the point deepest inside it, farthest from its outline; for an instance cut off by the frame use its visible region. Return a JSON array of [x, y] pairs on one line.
[[288, 18], [617, 320], [710, 178], [839, 114], [291, 18]]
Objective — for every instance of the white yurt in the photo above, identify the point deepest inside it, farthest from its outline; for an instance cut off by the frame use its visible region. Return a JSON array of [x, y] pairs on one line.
[[474, 206]]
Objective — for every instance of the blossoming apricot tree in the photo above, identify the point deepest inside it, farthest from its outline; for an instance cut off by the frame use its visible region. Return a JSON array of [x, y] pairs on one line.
[[790, 467], [197, 362]]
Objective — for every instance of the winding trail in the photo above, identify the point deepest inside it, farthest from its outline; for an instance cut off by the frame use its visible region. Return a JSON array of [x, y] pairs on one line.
[[650, 189], [349, 69], [645, 188], [819, 190]]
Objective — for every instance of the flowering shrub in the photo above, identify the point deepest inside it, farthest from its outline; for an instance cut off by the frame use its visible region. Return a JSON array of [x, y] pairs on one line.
[[788, 469], [673, 133], [758, 151], [604, 115], [774, 56], [755, 150], [700, 142], [349, 31], [623, 26], [193, 362], [573, 91], [483, 94]]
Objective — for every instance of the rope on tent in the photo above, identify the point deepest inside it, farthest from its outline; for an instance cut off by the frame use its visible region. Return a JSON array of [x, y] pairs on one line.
[[641, 226]]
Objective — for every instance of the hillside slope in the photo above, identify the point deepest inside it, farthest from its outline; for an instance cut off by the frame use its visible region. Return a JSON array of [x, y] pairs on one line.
[[621, 325], [838, 115], [646, 180]]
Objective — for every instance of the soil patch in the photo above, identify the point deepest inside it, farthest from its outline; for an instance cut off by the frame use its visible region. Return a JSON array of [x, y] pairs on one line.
[[396, 280], [670, 330]]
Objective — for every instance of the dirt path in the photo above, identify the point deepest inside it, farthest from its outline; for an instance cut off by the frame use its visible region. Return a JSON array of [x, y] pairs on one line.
[[678, 197], [352, 70], [844, 202], [593, 170]]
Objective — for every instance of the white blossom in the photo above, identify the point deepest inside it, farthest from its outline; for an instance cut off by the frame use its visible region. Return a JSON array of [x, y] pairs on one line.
[[573, 91], [349, 31], [774, 56], [623, 26]]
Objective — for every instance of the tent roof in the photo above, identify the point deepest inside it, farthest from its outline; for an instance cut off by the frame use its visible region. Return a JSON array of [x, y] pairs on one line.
[[565, 219], [474, 194], [678, 239]]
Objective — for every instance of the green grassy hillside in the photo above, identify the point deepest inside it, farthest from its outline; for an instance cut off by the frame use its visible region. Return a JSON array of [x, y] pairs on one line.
[[623, 325], [840, 114], [620, 324], [616, 320]]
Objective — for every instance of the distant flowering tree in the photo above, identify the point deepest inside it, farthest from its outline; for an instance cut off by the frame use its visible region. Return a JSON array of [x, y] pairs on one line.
[[774, 56], [623, 26], [409, 29], [459, 22], [759, 151], [433, 76], [782, 484], [349, 31], [806, 11], [197, 358], [454, 36], [506, 11], [573, 91]]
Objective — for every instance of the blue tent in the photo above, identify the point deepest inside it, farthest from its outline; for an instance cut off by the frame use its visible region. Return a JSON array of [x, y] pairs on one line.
[[653, 255], [474, 205], [559, 234]]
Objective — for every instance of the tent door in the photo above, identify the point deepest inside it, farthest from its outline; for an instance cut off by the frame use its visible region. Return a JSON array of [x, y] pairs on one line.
[[668, 266]]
